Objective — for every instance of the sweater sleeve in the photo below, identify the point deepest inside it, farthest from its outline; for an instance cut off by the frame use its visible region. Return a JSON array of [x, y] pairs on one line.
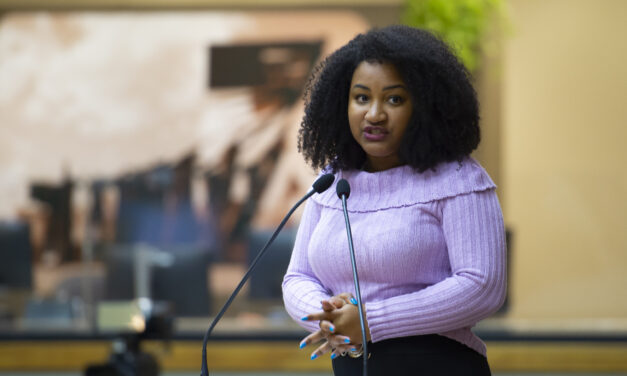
[[302, 291], [473, 229]]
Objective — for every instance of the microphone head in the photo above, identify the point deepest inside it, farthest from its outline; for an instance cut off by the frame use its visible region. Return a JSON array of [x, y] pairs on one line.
[[343, 188], [323, 183]]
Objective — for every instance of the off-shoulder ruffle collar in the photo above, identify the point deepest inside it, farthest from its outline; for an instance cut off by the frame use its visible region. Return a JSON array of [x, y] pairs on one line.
[[403, 186]]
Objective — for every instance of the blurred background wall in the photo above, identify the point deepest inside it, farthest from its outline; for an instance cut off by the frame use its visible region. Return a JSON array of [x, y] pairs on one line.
[[552, 95], [564, 184]]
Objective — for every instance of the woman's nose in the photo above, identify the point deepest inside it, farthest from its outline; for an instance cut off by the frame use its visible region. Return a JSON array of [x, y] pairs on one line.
[[376, 113]]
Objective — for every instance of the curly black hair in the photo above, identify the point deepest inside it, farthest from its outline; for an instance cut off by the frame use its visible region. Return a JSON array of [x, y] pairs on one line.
[[444, 125]]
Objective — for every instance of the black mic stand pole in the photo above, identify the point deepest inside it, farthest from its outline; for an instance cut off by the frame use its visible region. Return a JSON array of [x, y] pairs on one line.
[[320, 185], [343, 191]]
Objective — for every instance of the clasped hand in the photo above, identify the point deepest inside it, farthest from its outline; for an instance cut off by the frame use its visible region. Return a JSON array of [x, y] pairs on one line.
[[339, 327]]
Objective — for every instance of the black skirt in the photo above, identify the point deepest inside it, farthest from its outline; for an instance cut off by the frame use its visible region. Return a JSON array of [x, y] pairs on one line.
[[428, 355]]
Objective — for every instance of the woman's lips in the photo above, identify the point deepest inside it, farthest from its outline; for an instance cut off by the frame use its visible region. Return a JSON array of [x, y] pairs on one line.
[[375, 133]]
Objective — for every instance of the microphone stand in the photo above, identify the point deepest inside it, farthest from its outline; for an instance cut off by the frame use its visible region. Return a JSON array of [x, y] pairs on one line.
[[343, 191], [320, 185]]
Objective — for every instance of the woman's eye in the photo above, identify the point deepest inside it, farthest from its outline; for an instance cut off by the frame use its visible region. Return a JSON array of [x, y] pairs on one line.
[[361, 98], [395, 99]]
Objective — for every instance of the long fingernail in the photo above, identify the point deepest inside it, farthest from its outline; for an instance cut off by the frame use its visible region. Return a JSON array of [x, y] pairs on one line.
[[347, 340], [304, 318], [333, 356], [314, 356], [331, 328], [354, 301], [302, 344]]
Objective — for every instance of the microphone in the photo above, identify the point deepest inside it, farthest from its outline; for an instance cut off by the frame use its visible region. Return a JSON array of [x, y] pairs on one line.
[[320, 185], [343, 190]]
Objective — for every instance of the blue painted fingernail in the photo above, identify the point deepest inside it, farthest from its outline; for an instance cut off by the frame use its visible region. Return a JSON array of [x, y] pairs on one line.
[[347, 340], [302, 344], [353, 349], [314, 356], [304, 318], [354, 301], [331, 328], [333, 356]]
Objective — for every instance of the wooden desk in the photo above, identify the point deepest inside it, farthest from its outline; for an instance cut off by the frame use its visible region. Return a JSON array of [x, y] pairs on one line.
[[185, 355]]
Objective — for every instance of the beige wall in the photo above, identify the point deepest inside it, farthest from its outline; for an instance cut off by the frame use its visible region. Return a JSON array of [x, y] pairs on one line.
[[564, 158]]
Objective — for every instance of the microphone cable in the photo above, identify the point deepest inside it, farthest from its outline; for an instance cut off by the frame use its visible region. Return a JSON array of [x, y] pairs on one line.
[[343, 192], [320, 185]]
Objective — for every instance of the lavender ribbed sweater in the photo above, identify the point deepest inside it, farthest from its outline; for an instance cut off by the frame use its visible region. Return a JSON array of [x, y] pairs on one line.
[[430, 251]]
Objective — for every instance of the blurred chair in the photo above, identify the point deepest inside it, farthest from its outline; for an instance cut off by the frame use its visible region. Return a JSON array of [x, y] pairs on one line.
[[15, 249], [184, 283], [265, 281], [58, 199]]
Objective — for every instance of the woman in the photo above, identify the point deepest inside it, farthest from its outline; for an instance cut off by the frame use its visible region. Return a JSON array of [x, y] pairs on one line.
[[394, 113]]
